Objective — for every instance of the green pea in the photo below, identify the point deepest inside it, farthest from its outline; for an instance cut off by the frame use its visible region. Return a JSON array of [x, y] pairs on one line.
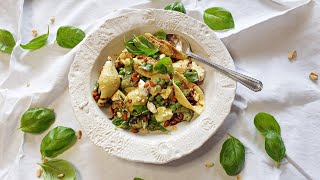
[[158, 87], [151, 98], [178, 83], [158, 98], [156, 80]]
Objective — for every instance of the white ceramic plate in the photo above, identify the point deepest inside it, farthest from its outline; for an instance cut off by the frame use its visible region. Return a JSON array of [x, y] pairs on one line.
[[154, 147]]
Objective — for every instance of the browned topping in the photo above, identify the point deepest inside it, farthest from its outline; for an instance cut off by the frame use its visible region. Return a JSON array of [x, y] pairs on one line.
[[136, 85], [39, 172], [173, 122], [125, 116], [119, 64], [191, 92], [134, 130], [130, 101], [144, 118], [292, 55], [209, 164], [119, 104], [94, 93], [180, 116], [191, 100], [146, 85], [185, 86], [313, 76], [139, 57], [79, 134], [152, 84], [165, 100], [96, 98], [176, 119], [166, 123]]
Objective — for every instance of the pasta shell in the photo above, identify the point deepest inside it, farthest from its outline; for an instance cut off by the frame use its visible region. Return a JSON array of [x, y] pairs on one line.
[[109, 82], [199, 106]]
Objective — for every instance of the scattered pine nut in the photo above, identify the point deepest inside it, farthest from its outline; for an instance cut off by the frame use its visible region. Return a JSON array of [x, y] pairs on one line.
[[45, 160], [209, 164], [52, 19], [238, 177], [313, 76], [39, 172], [79, 134], [60, 176], [34, 33], [292, 55]]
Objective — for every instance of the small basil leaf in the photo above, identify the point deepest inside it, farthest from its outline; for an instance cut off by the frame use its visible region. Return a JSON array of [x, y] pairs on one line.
[[265, 122], [37, 120], [191, 76], [164, 66], [55, 167], [142, 43], [7, 41], [148, 67], [136, 178], [69, 36], [232, 156], [274, 146], [161, 35], [57, 141], [132, 48], [37, 42], [117, 121], [176, 6], [218, 18]]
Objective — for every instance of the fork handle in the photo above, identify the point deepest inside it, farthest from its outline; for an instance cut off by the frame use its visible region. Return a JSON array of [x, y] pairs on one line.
[[251, 83]]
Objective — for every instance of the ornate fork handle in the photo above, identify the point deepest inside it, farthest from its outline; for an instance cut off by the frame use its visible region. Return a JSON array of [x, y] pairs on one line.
[[251, 83]]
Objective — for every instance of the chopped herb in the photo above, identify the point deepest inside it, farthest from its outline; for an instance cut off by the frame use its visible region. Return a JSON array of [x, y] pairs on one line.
[[191, 75], [164, 66]]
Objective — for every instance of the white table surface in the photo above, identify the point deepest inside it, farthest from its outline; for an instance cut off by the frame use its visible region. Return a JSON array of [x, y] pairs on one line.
[[265, 32]]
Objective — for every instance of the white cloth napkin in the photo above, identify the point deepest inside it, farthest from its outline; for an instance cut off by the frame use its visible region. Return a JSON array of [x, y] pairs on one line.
[[265, 31]]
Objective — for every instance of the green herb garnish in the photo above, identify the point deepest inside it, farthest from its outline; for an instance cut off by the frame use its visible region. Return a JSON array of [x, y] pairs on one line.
[[161, 35], [37, 120], [232, 156], [55, 168], [270, 129], [37, 42], [7, 41], [148, 67], [176, 6], [218, 18], [57, 141], [164, 66], [143, 44], [69, 36], [191, 75]]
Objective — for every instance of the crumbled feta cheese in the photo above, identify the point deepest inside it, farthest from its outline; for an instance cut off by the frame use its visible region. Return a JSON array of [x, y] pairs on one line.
[[162, 56], [181, 66], [151, 107], [163, 114]]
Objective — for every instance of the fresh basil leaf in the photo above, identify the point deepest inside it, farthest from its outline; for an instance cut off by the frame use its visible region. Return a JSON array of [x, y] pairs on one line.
[[274, 146], [132, 48], [161, 35], [232, 156], [37, 42], [191, 75], [265, 122], [142, 43], [136, 178], [57, 141], [117, 121], [148, 67], [176, 6], [7, 41], [58, 167], [164, 66], [218, 18], [69, 36], [37, 120]]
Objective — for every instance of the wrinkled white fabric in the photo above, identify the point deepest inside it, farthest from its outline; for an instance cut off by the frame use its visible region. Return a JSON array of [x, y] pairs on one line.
[[264, 32]]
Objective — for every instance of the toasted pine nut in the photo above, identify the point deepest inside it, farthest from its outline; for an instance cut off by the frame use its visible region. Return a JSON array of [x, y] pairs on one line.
[[79, 134], [39, 172]]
